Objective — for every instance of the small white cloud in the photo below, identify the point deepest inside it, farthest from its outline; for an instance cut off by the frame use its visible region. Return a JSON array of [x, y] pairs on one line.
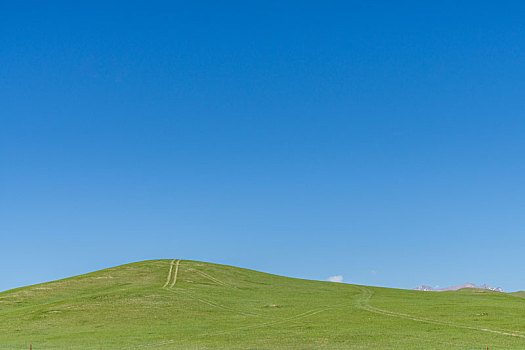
[[337, 278], [373, 272]]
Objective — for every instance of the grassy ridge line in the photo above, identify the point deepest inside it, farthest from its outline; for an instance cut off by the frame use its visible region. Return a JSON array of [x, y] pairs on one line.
[[362, 302], [219, 306]]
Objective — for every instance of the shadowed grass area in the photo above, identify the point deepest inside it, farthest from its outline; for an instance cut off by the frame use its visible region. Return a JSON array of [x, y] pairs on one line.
[[217, 306]]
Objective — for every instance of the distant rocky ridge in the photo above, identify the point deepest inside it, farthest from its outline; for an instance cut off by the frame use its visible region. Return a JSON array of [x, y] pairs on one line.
[[465, 285]]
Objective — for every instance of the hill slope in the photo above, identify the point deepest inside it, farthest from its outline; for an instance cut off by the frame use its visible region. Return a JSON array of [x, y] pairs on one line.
[[167, 304]]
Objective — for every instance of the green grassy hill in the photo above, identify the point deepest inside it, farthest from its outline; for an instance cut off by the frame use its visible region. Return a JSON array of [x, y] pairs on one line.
[[520, 294], [165, 304]]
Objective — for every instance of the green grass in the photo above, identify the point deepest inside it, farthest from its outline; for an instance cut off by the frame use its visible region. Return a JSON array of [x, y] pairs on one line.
[[520, 294], [217, 306]]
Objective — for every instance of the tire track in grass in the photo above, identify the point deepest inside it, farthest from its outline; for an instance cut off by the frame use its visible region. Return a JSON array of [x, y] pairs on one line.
[[213, 279], [169, 274], [219, 306], [363, 302], [176, 273], [205, 301]]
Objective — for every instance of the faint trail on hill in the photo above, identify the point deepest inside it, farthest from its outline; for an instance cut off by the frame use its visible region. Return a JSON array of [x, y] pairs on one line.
[[363, 302], [259, 325], [187, 293], [169, 274], [284, 320], [214, 304], [213, 279], [176, 272]]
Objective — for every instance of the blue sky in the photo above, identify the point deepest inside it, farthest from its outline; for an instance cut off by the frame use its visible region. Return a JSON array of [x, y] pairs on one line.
[[381, 141]]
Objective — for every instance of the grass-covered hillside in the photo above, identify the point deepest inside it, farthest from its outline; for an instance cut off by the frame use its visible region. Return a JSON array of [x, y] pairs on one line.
[[172, 304]]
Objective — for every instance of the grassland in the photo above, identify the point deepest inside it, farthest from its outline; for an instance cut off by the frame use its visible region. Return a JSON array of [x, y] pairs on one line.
[[142, 306]]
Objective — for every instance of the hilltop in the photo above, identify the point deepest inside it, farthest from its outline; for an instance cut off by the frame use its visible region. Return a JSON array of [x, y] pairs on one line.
[[168, 304]]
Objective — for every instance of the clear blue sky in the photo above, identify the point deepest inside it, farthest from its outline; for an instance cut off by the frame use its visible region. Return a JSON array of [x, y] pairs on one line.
[[382, 141]]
